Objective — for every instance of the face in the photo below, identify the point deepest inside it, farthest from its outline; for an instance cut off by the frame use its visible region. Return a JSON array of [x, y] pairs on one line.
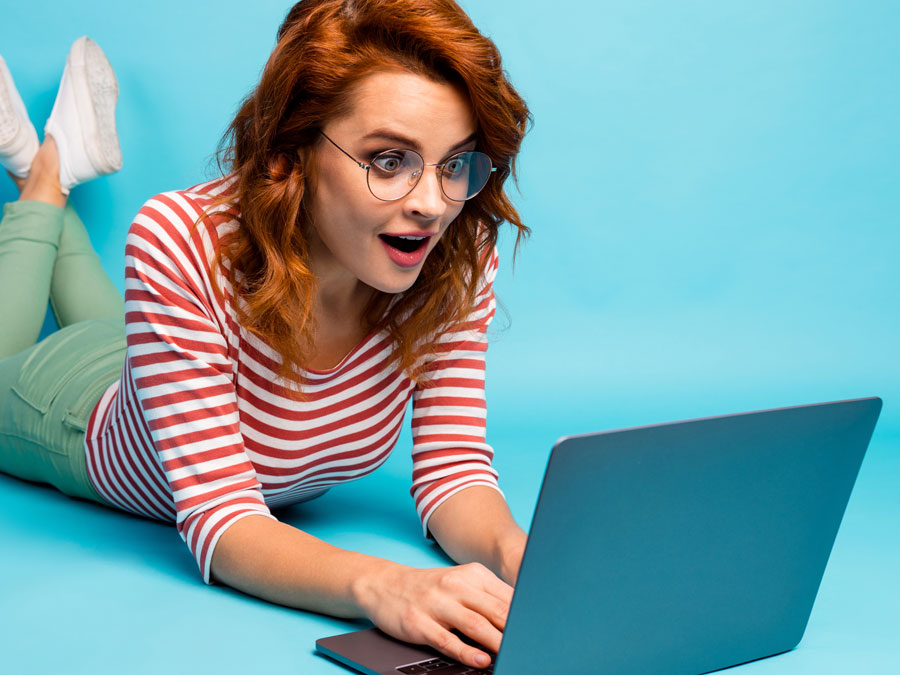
[[347, 254]]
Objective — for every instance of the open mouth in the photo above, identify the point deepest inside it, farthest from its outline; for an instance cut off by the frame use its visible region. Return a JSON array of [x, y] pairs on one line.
[[405, 244]]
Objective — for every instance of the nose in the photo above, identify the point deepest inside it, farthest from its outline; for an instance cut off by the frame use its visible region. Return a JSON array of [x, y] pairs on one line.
[[427, 199]]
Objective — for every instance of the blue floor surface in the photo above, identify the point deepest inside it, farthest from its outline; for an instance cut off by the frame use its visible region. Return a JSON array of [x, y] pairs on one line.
[[84, 589]]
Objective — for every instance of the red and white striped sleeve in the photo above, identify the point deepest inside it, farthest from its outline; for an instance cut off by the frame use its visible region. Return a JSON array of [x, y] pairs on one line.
[[178, 356], [449, 416]]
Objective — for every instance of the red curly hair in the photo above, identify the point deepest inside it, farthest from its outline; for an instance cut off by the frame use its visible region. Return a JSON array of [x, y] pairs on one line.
[[324, 48]]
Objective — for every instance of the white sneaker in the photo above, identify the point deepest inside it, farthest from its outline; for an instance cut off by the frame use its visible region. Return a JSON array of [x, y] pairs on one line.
[[18, 139], [83, 119]]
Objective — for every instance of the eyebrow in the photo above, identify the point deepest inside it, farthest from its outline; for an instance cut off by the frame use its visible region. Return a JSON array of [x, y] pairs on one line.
[[400, 139]]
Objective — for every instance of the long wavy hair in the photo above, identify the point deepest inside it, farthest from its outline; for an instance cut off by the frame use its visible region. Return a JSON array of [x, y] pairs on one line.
[[324, 48]]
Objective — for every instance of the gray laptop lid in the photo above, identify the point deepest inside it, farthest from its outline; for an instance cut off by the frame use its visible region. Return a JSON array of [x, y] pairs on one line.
[[684, 547]]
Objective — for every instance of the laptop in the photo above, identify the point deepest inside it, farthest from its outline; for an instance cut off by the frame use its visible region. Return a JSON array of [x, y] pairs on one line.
[[676, 548]]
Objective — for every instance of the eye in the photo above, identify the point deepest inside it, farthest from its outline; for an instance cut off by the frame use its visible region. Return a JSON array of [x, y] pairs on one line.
[[457, 164], [388, 162]]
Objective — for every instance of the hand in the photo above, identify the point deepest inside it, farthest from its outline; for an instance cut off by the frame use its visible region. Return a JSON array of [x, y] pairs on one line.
[[424, 606]]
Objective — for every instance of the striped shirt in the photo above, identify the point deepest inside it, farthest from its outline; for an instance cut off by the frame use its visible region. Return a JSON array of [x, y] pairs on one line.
[[196, 432]]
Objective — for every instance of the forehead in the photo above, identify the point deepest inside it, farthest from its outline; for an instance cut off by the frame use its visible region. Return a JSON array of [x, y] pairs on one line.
[[418, 108]]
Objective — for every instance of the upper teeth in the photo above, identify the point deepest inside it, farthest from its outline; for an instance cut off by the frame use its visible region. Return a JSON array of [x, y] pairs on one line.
[[402, 236]]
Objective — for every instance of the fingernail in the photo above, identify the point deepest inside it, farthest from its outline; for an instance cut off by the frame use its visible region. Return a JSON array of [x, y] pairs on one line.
[[482, 660]]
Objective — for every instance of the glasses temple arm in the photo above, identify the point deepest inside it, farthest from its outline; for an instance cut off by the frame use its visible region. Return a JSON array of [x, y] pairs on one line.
[[361, 165]]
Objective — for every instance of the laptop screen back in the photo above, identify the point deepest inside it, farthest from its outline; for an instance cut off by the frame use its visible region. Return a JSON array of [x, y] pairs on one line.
[[684, 547]]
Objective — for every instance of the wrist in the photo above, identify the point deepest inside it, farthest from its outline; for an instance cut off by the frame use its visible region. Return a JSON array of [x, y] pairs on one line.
[[368, 586], [510, 551]]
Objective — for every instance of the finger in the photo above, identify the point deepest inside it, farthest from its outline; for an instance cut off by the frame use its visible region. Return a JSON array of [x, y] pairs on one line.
[[493, 584], [448, 644], [488, 606], [477, 627], [471, 611]]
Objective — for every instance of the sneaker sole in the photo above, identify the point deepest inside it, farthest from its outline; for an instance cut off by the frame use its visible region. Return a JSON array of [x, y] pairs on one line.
[[96, 94]]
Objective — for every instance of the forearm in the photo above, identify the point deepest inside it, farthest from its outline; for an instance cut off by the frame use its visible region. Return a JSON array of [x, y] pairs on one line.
[[475, 525], [279, 563]]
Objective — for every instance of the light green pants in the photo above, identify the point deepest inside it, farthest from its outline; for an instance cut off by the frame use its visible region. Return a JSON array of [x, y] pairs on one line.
[[48, 389]]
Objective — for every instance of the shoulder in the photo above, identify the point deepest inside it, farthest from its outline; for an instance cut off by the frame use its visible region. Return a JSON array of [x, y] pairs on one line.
[[176, 233], [190, 220], [179, 210], [493, 262], [490, 259]]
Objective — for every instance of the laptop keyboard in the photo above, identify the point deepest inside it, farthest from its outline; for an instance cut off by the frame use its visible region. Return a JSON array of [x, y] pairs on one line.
[[441, 666]]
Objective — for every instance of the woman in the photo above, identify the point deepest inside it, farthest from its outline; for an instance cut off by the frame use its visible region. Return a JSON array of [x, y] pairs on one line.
[[279, 319]]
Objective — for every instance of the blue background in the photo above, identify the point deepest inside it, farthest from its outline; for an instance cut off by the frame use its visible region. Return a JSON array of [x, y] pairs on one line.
[[713, 190]]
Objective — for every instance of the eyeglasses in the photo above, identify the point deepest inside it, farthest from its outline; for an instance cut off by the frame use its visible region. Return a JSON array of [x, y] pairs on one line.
[[393, 174]]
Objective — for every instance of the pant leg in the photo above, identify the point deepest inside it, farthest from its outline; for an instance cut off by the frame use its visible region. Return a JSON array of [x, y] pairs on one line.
[[49, 389], [47, 394], [29, 238], [80, 288]]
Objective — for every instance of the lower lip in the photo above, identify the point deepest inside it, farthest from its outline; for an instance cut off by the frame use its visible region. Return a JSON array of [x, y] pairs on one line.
[[403, 259]]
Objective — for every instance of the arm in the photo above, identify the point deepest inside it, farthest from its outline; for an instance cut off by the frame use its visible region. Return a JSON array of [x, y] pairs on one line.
[[454, 485], [279, 563], [475, 524], [182, 376], [182, 373]]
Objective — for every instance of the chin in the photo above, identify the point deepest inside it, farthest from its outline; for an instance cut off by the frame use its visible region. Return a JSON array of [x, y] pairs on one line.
[[398, 285]]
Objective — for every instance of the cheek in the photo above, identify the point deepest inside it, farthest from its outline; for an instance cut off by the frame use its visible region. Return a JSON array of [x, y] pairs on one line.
[[340, 211], [340, 188], [452, 214]]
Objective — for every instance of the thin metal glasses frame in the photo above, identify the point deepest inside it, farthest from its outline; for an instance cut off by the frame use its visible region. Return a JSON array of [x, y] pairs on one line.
[[440, 170]]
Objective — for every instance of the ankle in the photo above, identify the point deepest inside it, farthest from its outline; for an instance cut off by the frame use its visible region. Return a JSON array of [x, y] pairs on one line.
[[42, 186], [46, 160], [43, 182]]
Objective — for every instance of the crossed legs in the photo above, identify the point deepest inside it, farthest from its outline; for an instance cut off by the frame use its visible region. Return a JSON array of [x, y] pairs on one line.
[[45, 252]]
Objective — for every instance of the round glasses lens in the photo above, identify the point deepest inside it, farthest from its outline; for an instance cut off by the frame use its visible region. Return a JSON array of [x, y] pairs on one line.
[[465, 174], [394, 173]]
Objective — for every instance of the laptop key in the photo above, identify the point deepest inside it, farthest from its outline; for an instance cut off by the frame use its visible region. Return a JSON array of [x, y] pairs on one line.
[[454, 669], [441, 666]]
